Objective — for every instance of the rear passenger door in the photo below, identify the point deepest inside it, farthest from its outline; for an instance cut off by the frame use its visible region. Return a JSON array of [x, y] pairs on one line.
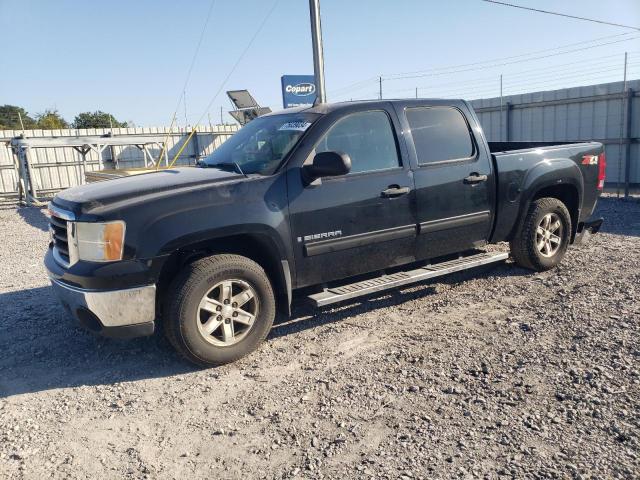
[[455, 185], [359, 222]]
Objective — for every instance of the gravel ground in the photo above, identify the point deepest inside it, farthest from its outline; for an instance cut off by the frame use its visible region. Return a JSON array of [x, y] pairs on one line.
[[497, 373]]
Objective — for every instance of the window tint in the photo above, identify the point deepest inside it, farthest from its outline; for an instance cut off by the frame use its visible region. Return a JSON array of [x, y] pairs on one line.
[[439, 133], [366, 137]]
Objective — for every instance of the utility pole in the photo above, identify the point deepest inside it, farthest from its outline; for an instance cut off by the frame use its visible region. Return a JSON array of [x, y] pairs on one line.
[[416, 92], [500, 107], [622, 112], [318, 55], [21, 123], [380, 93], [221, 116]]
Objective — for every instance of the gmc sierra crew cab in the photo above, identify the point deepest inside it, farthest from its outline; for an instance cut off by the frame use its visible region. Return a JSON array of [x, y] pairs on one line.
[[329, 202]]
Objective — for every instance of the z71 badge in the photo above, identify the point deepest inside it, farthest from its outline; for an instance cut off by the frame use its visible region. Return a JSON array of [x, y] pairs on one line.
[[590, 160], [320, 236]]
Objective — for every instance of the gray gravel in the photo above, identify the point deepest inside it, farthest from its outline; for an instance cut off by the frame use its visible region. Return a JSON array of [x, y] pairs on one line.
[[497, 373]]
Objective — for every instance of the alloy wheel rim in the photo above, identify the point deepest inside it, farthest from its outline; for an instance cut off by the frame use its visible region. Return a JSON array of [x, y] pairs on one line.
[[549, 235], [227, 312]]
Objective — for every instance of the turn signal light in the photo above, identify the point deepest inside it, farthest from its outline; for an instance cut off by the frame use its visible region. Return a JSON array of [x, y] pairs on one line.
[[98, 242]]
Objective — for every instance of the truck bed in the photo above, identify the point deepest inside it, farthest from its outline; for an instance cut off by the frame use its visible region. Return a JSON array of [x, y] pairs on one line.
[[520, 166], [496, 147]]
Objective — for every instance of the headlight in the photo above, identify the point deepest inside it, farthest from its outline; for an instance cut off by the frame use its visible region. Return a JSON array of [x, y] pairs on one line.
[[96, 242]]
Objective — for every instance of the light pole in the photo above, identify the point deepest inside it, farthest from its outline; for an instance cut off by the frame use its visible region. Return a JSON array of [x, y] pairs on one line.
[[318, 55]]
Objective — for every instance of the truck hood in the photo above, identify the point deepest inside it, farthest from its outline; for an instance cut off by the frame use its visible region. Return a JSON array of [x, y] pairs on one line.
[[140, 188]]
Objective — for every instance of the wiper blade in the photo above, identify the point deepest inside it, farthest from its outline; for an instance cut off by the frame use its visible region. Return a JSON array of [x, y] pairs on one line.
[[237, 167], [223, 166]]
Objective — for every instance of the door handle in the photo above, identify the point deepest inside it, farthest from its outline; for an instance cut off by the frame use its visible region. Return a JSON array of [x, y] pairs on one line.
[[475, 178], [395, 191]]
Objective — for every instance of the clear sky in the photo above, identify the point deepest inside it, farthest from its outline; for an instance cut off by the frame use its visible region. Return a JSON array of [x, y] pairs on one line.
[[131, 57]]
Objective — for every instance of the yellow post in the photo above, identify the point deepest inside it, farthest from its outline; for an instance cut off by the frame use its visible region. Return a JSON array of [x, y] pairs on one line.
[[166, 139], [182, 147]]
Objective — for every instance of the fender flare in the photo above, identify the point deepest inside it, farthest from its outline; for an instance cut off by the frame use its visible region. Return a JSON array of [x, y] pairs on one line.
[[264, 235], [550, 173]]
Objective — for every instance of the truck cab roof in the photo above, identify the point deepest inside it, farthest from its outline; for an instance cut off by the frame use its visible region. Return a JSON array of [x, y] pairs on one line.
[[324, 108]]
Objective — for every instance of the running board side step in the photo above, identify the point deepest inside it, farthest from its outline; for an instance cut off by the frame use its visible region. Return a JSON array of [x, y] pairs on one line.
[[385, 282]]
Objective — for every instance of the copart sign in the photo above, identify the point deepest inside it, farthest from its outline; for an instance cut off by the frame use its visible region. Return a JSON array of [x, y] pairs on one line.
[[298, 90]]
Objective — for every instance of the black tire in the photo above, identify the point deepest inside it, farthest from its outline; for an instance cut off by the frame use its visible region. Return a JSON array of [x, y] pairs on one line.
[[181, 312], [524, 248]]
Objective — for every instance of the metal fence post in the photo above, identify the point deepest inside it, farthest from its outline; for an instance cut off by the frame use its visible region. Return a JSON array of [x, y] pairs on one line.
[[100, 162], [16, 169], [622, 125], [22, 173], [627, 147], [114, 157], [196, 147], [83, 168], [507, 122], [30, 184]]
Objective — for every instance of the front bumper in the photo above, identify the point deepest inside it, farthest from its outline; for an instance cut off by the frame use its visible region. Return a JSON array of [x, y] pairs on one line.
[[123, 313]]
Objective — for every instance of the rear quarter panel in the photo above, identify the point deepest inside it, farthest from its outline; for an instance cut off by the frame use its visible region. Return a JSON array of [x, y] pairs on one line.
[[522, 174]]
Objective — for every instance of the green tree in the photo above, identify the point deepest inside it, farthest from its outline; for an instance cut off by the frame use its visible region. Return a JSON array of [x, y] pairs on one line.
[[50, 120], [10, 118], [97, 119]]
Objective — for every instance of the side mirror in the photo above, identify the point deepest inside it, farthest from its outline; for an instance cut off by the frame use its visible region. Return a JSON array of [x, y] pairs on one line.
[[328, 164]]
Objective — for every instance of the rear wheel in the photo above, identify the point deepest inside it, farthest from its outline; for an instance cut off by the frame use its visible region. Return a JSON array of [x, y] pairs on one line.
[[219, 309], [544, 235]]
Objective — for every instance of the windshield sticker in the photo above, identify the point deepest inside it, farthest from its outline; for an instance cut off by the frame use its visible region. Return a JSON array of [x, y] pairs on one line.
[[299, 126]]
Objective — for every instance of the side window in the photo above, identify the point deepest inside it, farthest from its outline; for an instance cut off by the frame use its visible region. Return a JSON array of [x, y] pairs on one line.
[[439, 134], [367, 138]]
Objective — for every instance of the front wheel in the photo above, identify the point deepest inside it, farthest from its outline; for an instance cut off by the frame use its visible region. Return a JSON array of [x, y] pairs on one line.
[[544, 235], [219, 309]]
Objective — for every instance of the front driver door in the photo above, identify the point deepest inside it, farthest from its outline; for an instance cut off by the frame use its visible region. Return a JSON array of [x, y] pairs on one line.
[[359, 222]]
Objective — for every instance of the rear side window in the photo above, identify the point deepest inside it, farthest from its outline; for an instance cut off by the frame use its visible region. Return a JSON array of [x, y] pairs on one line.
[[439, 134], [366, 137]]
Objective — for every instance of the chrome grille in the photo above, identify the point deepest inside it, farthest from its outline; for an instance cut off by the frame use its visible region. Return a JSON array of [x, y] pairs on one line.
[[58, 228]]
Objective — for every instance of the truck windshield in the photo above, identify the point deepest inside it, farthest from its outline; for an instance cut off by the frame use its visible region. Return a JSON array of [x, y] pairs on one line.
[[260, 146]]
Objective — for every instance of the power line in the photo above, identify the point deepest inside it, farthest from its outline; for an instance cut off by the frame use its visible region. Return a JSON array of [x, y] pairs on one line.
[[235, 65], [538, 73], [562, 78], [520, 89], [349, 87], [561, 14], [541, 77], [183, 95], [193, 59], [597, 67], [549, 70], [437, 71], [500, 59], [509, 63], [480, 87]]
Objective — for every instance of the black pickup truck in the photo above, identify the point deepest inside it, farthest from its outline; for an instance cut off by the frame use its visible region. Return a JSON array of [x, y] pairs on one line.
[[330, 203]]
